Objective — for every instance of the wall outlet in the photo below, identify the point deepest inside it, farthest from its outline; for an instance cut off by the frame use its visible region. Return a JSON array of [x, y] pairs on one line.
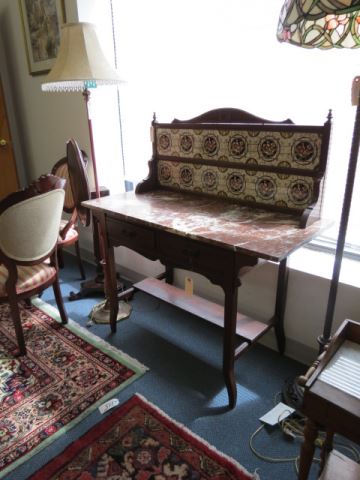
[[189, 285]]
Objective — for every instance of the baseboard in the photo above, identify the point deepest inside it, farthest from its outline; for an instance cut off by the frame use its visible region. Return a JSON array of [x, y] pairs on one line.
[[86, 255], [294, 350], [126, 274]]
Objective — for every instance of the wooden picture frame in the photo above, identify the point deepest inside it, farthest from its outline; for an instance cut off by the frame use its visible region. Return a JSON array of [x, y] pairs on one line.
[[42, 20]]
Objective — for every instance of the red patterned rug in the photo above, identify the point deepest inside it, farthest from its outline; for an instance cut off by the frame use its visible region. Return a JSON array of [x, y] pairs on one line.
[[66, 374], [139, 441]]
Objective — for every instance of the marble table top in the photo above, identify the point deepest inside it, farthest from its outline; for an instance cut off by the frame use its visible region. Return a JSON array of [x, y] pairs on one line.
[[256, 232]]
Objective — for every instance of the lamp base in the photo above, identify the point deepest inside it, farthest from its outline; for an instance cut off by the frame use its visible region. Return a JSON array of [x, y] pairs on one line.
[[93, 286], [293, 393], [100, 313]]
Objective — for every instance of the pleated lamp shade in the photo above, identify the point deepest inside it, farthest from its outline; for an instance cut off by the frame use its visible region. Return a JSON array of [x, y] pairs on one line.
[[80, 63]]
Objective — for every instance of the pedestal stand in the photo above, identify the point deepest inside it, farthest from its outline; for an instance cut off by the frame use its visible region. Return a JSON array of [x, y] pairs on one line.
[[95, 286]]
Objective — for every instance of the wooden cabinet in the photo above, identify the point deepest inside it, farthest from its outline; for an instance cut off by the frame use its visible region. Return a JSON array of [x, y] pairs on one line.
[[9, 181], [332, 403]]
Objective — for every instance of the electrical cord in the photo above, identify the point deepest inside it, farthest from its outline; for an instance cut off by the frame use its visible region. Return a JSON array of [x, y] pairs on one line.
[[293, 429], [265, 457]]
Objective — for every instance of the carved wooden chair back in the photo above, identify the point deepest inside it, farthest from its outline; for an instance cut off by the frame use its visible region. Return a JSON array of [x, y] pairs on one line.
[[76, 191], [29, 226]]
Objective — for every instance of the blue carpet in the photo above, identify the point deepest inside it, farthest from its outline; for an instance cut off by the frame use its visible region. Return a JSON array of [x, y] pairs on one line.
[[185, 380]]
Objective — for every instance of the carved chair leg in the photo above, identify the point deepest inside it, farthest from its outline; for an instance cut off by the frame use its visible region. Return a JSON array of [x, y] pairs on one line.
[[27, 302], [78, 256], [59, 301], [60, 257], [15, 313]]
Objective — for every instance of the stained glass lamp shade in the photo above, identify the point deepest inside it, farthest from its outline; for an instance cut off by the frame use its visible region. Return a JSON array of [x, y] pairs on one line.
[[320, 23], [328, 24]]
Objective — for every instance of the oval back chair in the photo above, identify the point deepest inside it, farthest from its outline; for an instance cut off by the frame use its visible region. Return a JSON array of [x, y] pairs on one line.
[[76, 191], [29, 229]]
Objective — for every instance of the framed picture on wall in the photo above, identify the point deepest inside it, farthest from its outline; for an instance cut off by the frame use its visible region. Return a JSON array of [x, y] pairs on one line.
[[42, 20]]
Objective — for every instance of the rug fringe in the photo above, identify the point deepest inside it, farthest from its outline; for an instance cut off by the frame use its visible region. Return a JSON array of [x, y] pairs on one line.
[[49, 309], [254, 476]]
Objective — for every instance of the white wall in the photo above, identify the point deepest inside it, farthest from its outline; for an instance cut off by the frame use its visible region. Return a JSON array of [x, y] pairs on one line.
[[46, 121]]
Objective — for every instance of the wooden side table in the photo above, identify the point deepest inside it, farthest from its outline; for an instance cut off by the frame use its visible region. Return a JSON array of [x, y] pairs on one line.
[[331, 404]]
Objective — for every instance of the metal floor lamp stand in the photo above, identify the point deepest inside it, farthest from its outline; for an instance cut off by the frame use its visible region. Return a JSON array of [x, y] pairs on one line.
[[325, 338], [293, 389]]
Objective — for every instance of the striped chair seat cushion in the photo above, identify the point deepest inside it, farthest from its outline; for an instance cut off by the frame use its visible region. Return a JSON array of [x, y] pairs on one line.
[[71, 236], [29, 277]]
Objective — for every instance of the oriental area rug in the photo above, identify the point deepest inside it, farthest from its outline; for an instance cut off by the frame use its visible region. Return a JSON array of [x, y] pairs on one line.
[[139, 441], [66, 374]]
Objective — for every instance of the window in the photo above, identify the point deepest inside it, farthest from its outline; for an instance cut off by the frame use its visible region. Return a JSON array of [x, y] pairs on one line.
[[182, 58]]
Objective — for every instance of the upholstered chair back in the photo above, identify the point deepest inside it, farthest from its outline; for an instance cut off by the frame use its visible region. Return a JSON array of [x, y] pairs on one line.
[[30, 229]]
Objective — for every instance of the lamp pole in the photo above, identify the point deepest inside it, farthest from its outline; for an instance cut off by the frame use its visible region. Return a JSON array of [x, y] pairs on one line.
[[324, 339], [316, 25], [80, 65], [86, 95]]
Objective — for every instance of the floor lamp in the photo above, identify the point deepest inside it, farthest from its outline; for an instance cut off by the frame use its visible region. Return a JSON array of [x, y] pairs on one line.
[[81, 66], [330, 24]]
